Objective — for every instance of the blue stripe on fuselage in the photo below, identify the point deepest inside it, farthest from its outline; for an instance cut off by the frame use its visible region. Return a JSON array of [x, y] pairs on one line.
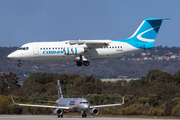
[[75, 51], [67, 51], [139, 44]]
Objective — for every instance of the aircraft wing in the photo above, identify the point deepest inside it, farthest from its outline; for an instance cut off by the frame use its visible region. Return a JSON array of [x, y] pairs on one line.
[[96, 106], [92, 43], [44, 106]]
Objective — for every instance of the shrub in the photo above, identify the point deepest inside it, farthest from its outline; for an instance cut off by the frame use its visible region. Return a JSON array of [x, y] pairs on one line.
[[176, 111]]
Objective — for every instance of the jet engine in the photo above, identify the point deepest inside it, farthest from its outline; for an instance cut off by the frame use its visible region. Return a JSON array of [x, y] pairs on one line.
[[74, 51], [94, 111], [58, 111]]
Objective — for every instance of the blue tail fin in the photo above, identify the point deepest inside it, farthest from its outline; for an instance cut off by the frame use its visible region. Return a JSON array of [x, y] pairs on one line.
[[148, 30], [145, 35]]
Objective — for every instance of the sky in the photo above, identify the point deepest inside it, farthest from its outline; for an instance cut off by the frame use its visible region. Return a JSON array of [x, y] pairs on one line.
[[24, 21]]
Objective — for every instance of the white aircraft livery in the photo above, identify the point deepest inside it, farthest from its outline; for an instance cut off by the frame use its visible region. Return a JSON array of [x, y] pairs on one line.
[[81, 51]]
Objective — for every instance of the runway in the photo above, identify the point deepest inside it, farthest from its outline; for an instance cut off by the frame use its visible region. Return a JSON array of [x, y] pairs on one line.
[[50, 117]]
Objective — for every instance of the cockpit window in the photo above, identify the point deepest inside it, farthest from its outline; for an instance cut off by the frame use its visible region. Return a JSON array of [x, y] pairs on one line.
[[83, 102], [23, 48]]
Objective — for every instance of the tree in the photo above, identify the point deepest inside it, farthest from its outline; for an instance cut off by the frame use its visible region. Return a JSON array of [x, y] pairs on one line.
[[154, 100], [8, 83]]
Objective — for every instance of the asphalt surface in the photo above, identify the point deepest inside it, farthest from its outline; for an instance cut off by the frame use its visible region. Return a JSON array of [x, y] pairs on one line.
[[51, 117]]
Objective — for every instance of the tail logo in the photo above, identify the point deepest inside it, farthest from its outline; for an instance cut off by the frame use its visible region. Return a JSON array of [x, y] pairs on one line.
[[145, 39]]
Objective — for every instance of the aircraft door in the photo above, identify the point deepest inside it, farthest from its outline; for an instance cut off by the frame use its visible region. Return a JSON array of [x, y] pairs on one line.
[[35, 49]]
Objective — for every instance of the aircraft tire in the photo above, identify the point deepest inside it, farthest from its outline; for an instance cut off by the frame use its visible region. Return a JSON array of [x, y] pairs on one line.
[[83, 115], [19, 64], [79, 63], [86, 63]]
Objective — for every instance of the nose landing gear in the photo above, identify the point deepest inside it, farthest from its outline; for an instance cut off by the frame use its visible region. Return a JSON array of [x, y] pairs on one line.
[[19, 64], [84, 114]]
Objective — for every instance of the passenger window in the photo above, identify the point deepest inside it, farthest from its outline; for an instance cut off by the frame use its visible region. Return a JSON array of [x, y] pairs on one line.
[[49, 48], [46, 48], [115, 46], [112, 46], [71, 102], [40, 48], [43, 48], [118, 46], [121, 46], [109, 47], [56, 48], [53, 48]]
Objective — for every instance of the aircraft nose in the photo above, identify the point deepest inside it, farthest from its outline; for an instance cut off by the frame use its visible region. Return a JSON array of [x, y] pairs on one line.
[[15, 55], [10, 56], [86, 107]]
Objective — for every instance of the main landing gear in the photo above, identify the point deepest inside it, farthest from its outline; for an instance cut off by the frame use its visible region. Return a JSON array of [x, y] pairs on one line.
[[84, 114], [80, 63], [19, 64]]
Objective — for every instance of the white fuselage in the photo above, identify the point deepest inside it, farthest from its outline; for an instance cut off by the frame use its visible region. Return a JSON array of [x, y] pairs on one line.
[[47, 51]]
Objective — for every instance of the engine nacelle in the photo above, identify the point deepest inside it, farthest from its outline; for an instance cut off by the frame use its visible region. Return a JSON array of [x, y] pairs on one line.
[[74, 51], [94, 111], [58, 111]]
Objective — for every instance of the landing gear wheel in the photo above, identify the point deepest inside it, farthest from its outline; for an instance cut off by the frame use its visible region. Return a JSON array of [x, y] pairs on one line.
[[19, 64], [86, 63], [84, 115], [79, 63], [60, 116]]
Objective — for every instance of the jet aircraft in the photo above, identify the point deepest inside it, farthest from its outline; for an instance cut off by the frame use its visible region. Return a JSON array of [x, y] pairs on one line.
[[81, 51], [71, 105]]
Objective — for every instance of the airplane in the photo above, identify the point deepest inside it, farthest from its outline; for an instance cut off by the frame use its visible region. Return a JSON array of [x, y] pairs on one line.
[[71, 105], [81, 51]]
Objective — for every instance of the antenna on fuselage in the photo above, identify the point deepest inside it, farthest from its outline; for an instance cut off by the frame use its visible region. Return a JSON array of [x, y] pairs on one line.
[[59, 90]]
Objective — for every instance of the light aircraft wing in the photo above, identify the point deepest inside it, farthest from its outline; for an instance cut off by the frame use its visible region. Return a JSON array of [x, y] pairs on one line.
[[92, 43], [96, 106], [44, 106]]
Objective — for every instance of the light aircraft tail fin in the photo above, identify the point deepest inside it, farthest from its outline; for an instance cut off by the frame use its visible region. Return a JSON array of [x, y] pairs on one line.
[[59, 90]]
